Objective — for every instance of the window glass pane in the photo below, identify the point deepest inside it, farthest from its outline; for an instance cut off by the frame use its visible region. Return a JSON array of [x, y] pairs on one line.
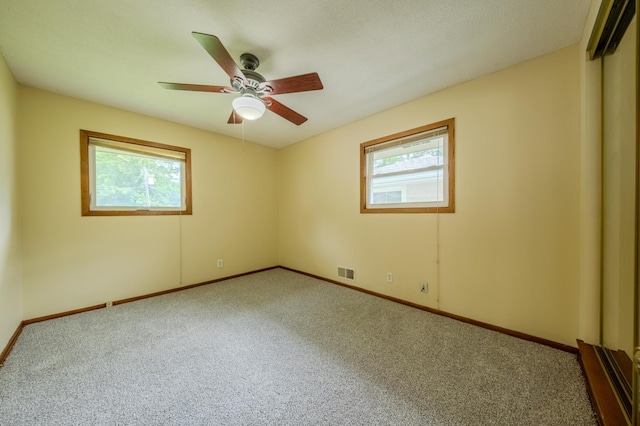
[[386, 197], [417, 187], [126, 179], [416, 155]]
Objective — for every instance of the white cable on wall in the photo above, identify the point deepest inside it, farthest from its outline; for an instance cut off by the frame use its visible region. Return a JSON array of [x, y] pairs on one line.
[[438, 259], [438, 245], [180, 246]]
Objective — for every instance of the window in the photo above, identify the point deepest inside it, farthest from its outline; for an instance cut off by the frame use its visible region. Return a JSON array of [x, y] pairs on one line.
[[125, 177], [409, 172]]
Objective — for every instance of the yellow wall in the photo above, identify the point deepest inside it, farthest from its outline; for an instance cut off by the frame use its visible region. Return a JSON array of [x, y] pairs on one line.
[[71, 262], [10, 284], [509, 255], [619, 172]]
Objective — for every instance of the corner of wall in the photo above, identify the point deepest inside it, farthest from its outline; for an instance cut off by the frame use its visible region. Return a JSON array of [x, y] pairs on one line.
[[10, 257]]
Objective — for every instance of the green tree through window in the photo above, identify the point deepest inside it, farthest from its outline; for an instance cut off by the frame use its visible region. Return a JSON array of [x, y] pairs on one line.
[[131, 180]]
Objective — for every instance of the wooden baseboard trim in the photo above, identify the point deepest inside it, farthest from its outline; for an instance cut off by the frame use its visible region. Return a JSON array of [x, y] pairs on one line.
[[603, 398], [10, 343], [13, 339], [187, 287], [63, 314], [524, 336], [133, 299]]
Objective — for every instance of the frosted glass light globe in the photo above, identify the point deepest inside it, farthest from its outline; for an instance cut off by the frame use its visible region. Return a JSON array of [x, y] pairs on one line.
[[248, 107]]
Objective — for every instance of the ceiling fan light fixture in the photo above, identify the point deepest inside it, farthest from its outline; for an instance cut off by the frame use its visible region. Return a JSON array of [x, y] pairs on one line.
[[248, 107]]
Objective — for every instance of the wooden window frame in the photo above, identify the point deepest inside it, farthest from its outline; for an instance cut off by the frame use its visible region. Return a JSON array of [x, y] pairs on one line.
[[85, 186], [450, 208]]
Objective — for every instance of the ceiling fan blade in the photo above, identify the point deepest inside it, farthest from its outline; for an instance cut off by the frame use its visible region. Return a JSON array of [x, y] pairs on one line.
[[234, 118], [298, 83], [284, 111], [196, 87], [218, 52]]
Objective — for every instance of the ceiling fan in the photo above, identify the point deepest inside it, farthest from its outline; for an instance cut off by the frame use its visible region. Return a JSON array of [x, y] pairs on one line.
[[255, 92]]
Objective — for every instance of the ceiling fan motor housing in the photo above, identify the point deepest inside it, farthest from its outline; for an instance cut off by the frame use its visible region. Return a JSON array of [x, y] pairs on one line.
[[253, 78], [249, 61]]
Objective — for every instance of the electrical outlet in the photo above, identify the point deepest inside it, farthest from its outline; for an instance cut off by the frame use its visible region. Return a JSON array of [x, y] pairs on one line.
[[220, 263], [109, 304], [424, 287], [389, 277]]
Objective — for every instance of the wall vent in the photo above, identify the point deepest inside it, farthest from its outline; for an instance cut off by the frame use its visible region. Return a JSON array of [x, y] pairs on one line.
[[346, 273]]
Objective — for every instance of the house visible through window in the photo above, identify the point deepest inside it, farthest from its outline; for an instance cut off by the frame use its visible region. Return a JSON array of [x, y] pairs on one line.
[[409, 172], [124, 176], [382, 196]]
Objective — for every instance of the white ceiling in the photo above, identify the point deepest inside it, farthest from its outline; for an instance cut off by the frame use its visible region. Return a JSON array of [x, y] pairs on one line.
[[371, 55]]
